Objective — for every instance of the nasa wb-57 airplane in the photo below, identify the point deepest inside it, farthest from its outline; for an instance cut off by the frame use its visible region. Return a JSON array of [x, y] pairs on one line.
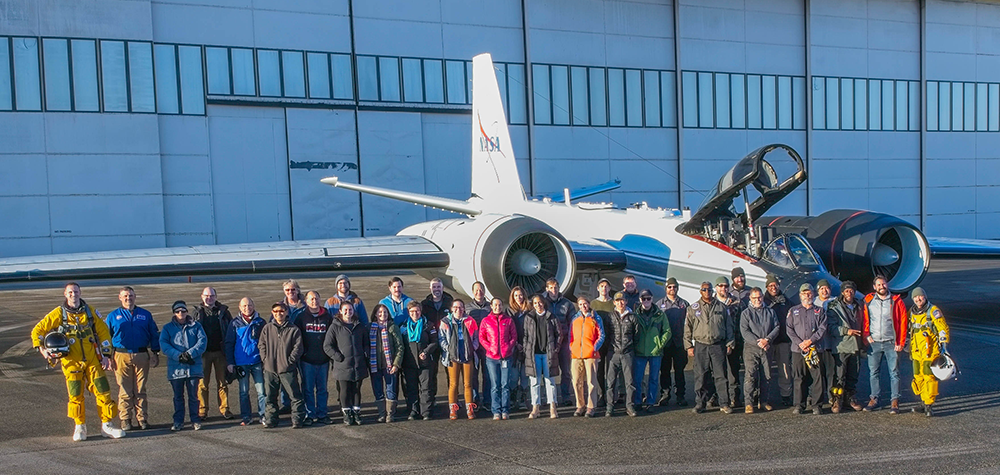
[[506, 239]]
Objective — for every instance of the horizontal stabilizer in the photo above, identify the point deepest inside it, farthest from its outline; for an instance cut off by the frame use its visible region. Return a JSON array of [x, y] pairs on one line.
[[376, 253], [963, 248], [584, 192], [447, 204]]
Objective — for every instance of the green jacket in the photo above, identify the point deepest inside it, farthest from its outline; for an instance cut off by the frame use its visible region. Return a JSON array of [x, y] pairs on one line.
[[653, 333]]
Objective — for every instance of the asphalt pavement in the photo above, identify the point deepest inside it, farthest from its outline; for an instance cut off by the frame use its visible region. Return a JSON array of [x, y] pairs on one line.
[[961, 438]]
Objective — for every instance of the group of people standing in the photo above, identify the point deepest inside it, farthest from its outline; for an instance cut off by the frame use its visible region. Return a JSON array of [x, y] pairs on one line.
[[618, 348]]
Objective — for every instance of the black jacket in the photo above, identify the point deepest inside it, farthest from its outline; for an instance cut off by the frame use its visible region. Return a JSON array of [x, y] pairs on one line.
[[220, 313], [531, 322], [621, 330], [314, 329], [426, 344], [435, 315], [347, 345]]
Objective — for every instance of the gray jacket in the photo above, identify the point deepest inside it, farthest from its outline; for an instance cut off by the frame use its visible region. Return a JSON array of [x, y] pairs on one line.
[[839, 319], [757, 323], [280, 347], [708, 324], [676, 312]]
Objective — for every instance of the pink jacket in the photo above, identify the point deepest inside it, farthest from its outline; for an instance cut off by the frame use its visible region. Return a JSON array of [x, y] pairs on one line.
[[498, 336]]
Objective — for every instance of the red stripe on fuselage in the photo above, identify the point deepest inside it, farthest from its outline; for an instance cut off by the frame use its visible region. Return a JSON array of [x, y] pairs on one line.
[[723, 247]]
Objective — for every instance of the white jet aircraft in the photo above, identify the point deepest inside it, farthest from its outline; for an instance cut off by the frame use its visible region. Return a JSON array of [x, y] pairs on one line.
[[507, 239]]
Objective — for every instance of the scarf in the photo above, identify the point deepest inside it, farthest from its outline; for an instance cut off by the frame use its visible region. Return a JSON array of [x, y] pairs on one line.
[[414, 329], [386, 349]]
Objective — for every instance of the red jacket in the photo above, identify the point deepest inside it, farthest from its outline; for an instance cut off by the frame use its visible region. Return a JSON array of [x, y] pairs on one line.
[[900, 318], [498, 336]]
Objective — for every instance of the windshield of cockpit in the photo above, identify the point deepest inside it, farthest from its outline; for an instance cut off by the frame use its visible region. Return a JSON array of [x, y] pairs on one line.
[[790, 251]]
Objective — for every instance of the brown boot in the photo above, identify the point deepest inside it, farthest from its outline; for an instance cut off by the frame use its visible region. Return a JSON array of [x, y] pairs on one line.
[[835, 405], [454, 412], [535, 411], [470, 410], [553, 413], [748, 409]]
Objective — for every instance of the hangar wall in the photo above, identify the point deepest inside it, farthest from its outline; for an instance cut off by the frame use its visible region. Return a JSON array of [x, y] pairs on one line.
[[150, 123]]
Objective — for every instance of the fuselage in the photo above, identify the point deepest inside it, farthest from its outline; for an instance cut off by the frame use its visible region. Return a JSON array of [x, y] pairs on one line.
[[648, 237]]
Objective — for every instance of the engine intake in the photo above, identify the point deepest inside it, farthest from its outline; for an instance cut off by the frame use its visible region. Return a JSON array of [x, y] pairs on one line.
[[858, 245], [507, 251]]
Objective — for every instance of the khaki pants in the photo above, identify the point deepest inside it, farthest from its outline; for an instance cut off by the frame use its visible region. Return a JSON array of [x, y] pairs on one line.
[[584, 373], [131, 376], [213, 360], [463, 371]]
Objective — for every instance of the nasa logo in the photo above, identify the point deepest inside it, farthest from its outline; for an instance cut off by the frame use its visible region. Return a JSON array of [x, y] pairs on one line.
[[489, 144]]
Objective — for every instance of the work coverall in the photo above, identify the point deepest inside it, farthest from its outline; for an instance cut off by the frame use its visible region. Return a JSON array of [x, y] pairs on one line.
[[90, 341], [928, 331]]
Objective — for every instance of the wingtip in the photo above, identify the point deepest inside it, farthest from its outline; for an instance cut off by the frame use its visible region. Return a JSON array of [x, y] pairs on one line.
[[330, 180]]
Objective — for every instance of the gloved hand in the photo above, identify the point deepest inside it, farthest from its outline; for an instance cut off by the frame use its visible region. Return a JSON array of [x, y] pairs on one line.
[[942, 337], [185, 358]]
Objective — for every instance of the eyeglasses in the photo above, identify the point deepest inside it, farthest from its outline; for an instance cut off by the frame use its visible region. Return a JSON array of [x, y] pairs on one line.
[[722, 285], [671, 286], [706, 289], [646, 299], [278, 312], [181, 311]]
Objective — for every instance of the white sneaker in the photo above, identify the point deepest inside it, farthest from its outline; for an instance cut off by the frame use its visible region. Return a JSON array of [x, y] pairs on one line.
[[109, 430], [80, 433]]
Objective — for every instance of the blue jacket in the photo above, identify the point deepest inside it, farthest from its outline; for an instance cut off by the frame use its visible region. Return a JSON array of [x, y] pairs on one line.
[[397, 310], [241, 341], [133, 330], [176, 339]]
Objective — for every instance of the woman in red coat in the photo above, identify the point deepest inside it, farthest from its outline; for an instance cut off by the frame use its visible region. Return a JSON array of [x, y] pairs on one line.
[[498, 337]]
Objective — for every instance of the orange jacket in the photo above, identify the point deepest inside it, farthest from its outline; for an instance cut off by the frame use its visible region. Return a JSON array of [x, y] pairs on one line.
[[586, 335], [900, 318]]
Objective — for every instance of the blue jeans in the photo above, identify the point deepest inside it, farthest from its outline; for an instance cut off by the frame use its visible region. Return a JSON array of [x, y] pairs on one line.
[[652, 391], [191, 386], [886, 350], [542, 372], [385, 385], [499, 371], [314, 391], [256, 372]]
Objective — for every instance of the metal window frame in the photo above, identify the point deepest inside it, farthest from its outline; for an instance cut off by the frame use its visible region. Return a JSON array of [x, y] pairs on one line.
[[69, 70]]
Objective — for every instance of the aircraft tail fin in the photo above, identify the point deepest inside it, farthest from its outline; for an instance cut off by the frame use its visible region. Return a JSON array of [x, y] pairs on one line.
[[494, 170]]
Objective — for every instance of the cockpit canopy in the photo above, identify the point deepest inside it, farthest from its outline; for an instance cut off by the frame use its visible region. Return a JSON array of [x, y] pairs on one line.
[[768, 187]]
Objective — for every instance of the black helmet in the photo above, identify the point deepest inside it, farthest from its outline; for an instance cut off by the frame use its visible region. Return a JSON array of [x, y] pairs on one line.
[[57, 344]]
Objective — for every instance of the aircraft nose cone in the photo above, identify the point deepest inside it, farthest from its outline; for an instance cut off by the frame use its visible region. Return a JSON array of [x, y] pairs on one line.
[[525, 263], [884, 255]]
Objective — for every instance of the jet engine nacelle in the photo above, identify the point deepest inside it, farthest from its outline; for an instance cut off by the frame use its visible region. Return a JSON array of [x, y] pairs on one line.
[[506, 250], [858, 245]]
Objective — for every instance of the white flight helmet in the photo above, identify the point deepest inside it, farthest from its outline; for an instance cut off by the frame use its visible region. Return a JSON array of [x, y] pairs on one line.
[[944, 368]]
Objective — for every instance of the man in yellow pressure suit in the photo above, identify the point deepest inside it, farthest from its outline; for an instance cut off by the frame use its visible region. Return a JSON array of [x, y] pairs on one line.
[[928, 331], [88, 356]]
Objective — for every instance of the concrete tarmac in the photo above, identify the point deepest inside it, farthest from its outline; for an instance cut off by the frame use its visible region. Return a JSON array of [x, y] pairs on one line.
[[961, 438]]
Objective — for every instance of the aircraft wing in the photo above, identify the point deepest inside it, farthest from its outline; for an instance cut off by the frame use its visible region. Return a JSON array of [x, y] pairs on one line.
[[963, 248], [350, 254]]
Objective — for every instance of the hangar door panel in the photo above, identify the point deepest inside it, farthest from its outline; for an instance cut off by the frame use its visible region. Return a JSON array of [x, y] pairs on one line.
[[322, 143], [249, 168]]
